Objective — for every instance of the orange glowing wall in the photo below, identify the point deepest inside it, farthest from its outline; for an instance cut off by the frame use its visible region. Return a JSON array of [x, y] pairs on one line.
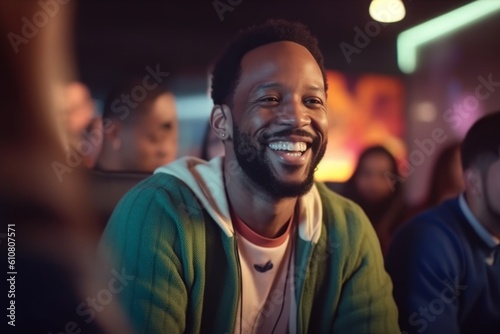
[[362, 111]]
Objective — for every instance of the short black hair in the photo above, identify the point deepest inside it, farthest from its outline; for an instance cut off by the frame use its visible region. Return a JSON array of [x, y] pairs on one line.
[[114, 110], [482, 142], [228, 68]]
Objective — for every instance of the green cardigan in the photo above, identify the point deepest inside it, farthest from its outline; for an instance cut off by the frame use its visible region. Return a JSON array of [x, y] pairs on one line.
[[186, 277]]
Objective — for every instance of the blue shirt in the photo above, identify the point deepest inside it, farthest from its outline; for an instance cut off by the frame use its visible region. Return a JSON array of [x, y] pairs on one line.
[[445, 273]]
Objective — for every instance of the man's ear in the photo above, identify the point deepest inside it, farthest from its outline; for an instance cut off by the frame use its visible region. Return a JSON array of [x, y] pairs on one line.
[[221, 121], [473, 182]]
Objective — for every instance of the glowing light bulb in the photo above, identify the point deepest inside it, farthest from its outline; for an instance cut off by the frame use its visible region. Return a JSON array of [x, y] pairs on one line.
[[387, 10]]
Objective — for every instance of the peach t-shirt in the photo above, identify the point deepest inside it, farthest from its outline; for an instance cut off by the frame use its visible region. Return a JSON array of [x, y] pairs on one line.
[[267, 297]]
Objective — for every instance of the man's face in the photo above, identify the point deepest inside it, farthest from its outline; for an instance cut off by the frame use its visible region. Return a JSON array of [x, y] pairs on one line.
[[152, 140], [492, 190], [279, 118]]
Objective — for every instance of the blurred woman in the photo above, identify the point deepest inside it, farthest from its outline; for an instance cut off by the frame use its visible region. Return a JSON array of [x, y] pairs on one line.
[[446, 179], [375, 187]]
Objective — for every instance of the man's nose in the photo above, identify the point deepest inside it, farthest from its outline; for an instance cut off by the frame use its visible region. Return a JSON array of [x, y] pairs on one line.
[[294, 113]]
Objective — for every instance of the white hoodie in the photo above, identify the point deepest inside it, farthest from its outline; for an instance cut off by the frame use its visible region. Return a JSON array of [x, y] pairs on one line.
[[206, 181]]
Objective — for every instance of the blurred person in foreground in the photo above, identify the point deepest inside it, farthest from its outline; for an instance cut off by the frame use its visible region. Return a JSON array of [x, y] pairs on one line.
[[249, 243], [140, 127], [445, 263], [375, 186], [46, 227], [80, 108]]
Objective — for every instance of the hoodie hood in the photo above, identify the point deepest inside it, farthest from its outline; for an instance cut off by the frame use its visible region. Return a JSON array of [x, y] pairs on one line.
[[206, 181]]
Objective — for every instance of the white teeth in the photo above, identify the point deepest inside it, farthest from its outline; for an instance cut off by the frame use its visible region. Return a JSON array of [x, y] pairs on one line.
[[289, 146]]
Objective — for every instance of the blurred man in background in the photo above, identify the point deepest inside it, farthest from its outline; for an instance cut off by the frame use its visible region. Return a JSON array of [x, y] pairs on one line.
[[140, 133], [445, 263], [140, 127]]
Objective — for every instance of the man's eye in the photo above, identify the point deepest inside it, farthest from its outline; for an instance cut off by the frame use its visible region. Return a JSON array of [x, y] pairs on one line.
[[167, 126], [314, 101], [269, 99]]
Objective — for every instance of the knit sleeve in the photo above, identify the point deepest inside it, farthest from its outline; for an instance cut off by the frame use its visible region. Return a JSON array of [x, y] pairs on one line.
[[147, 241], [366, 303], [424, 262]]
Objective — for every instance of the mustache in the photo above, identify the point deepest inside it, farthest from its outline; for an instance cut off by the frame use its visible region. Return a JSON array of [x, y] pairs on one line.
[[287, 133]]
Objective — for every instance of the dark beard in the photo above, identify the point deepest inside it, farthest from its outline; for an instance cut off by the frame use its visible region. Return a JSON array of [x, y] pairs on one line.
[[252, 159]]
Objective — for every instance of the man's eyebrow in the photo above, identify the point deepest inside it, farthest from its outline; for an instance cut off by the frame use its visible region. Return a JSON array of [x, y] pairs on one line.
[[267, 86], [316, 89], [264, 86]]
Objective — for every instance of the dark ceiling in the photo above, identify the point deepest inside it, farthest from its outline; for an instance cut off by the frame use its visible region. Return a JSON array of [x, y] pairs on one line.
[[185, 36]]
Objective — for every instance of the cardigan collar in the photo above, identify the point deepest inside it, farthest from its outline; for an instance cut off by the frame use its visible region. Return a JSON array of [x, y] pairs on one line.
[[206, 180]]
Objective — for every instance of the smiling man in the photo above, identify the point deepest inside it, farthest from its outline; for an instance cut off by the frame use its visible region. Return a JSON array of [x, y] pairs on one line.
[[249, 243]]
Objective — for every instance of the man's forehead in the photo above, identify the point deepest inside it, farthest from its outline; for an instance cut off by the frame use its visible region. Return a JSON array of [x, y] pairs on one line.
[[276, 50], [270, 85], [267, 60]]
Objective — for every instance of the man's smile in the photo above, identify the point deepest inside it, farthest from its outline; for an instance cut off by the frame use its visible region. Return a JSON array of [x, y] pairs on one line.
[[290, 152]]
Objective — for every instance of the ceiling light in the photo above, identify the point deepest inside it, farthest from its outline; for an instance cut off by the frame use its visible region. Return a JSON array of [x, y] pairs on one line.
[[387, 10]]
